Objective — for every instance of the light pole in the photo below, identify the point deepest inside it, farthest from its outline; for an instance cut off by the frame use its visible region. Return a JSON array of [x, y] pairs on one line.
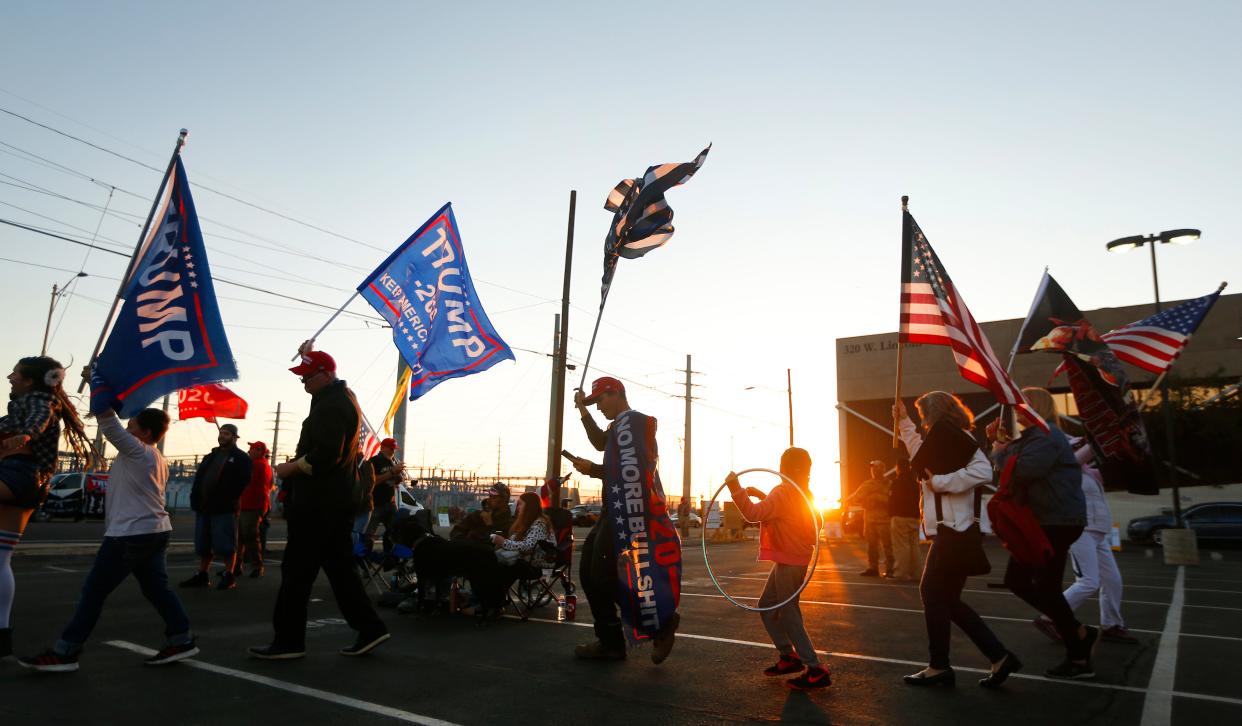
[[1125, 244], [57, 293]]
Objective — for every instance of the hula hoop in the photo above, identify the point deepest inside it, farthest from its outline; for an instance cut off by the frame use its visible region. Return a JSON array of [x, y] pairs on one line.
[[810, 571]]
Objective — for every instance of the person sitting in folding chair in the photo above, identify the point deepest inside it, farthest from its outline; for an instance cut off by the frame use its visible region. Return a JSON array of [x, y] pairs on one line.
[[530, 527]]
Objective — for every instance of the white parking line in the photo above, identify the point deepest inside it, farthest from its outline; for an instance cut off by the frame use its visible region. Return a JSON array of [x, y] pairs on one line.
[[899, 661], [300, 690], [1158, 706]]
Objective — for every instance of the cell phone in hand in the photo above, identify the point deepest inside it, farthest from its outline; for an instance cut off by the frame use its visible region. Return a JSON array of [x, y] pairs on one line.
[[565, 453]]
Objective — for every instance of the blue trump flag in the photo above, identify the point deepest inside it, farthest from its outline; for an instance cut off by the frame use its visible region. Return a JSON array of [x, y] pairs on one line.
[[168, 334], [425, 292]]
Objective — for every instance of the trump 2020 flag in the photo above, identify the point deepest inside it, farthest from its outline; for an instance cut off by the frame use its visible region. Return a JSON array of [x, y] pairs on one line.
[[425, 292], [168, 334]]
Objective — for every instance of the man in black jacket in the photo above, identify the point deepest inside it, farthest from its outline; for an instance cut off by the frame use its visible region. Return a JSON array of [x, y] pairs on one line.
[[218, 484], [320, 514]]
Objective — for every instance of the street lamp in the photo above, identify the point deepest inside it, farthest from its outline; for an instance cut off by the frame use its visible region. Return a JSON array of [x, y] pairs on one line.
[[1125, 244], [57, 293]]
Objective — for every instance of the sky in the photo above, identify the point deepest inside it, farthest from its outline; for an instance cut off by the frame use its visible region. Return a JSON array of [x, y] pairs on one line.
[[1025, 137]]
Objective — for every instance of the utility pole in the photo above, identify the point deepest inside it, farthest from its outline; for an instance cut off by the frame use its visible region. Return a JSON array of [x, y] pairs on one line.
[[556, 402], [398, 424], [788, 390], [160, 445], [48, 328], [275, 435], [683, 512]]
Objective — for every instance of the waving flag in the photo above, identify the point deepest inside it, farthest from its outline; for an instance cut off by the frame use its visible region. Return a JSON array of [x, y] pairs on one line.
[[933, 312], [642, 219], [368, 442], [1154, 343], [209, 402], [168, 334], [425, 292]]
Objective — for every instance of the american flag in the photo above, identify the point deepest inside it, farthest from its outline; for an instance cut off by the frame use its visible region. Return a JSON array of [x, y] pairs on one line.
[[368, 442], [933, 312], [1154, 343], [642, 219]]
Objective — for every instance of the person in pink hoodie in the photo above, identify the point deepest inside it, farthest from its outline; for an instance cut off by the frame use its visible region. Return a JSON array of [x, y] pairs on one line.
[[787, 531]]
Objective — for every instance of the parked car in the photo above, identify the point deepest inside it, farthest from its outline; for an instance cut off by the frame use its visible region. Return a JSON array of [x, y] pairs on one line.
[[1214, 521], [76, 495], [406, 502], [695, 519], [585, 515]]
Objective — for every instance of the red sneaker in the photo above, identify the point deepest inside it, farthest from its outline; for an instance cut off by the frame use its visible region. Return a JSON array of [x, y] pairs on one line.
[[786, 665], [815, 677]]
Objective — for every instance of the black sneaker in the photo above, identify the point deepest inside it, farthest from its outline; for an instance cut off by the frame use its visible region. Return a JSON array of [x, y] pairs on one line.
[[275, 652], [786, 665], [870, 572], [1071, 671], [227, 582], [365, 644], [50, 662], [173, 653], [815, 677], [1091, 642], [664, 640], [200, 579]]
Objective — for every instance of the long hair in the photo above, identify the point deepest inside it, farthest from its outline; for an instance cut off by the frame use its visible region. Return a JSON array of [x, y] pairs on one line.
[[532, 511], [937, 406], [48, 375], [1041, 400]]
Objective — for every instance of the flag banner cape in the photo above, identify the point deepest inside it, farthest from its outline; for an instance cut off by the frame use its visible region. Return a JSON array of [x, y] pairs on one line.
[[1154, 343], [1100, 386], [210, 401], [425, 292], [933, 312], [648, 548], [168, 334], [642, 219]]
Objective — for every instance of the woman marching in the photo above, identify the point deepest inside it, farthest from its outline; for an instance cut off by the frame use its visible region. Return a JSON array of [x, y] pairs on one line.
[[29, 437], [951, 506]]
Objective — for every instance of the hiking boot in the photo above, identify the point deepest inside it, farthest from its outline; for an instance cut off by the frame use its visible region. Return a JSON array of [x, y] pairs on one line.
[[1071, 671], [815, 677], [365, 644], [786, 665], [173, 653], [664, 639], [200, 579], [1044, 624], [227, 582], [596, 650], [275, 652], [870, 572], [50, 662], [1113, 633]]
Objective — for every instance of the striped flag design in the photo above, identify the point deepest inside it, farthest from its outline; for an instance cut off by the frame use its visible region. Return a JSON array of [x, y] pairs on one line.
[[1154, 343], [933, 312], [368, 442], [642, 219]]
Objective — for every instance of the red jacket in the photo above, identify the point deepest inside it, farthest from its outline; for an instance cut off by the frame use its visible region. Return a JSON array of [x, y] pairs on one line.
[[257, 495], [787, 529]]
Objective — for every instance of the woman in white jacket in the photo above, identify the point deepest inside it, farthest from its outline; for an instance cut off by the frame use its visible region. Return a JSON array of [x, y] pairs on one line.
[[943, 578]]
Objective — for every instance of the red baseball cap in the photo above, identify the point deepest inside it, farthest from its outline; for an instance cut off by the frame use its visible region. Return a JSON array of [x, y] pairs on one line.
[[258, 445], [313, 362], [603, 385], [389, 442]]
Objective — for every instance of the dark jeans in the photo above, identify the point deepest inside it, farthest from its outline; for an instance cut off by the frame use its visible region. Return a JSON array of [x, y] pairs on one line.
[[879, 537], [140, 555], [313, 545], [597, 572], [941, 588], [1041, 588]]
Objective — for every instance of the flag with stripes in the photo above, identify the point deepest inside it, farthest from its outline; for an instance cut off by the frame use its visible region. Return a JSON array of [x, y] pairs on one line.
[[368, 442], [933, 312], [642, 219], [1154, 343]]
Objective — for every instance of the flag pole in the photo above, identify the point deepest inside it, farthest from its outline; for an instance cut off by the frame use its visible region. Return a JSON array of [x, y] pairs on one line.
[[311, 341], [595, 333], [905, 211], [146, 227]]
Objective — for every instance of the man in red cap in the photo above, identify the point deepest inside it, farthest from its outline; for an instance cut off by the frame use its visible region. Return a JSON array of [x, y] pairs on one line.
[[597, 569], [320, 515], [253, 506], [384, 496]]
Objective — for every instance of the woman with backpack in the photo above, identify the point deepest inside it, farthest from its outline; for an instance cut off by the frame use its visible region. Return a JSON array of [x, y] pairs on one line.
[[951, 506], [1042, 473]]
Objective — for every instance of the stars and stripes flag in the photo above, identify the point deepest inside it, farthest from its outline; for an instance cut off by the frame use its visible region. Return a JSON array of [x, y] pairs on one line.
[[1154, 343], [368, 442], [933, 312], [642, 219]]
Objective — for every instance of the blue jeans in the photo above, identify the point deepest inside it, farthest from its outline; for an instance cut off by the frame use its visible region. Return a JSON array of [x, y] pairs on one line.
[[140, 555], [215, 534], [360, 527]]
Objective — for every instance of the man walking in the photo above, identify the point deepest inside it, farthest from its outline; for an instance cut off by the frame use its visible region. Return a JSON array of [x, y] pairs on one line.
[[598, 567], [320, 516], [136, 536], [873, 495], [218, 485], [254, 504]]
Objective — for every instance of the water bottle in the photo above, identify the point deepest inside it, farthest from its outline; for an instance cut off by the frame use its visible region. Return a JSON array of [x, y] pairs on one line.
[[561, 609], [571, 606]]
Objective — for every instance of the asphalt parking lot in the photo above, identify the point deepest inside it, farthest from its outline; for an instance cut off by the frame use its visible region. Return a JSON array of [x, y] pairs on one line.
[[446, 669]]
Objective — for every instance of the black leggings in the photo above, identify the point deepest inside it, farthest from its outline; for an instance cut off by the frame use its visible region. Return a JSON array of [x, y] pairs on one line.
[[1041, 587], [941, 588]]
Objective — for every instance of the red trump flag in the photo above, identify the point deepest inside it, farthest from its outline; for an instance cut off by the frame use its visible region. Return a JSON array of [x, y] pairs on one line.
[[209, 402]]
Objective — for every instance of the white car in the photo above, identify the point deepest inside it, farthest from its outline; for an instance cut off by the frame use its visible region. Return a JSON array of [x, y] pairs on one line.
[[406, 503]]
